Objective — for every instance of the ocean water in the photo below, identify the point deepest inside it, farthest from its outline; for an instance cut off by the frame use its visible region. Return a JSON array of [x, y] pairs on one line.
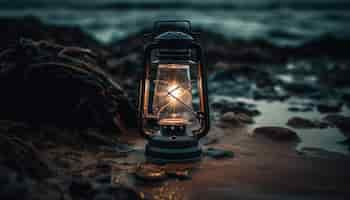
[[282, 22]]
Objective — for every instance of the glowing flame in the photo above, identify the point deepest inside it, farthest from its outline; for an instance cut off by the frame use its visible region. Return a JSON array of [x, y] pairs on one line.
[[175, 93]]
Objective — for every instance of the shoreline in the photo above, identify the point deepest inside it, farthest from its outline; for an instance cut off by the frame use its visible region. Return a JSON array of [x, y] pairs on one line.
[[264, 163]]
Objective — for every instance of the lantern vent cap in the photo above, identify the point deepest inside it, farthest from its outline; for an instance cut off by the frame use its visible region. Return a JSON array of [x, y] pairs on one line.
[[174, 35]]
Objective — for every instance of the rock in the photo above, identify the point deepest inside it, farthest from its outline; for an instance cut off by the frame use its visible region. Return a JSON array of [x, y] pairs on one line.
[[80, 187], [14, 186], [95, 137], [104, 197], [182, 174], [103, 179], [321, 153], [346, 142], [329, 106], [149, 172], [299, 122], [208, 140], [218, 153], [234, 119], [341, 122], [238, 71], [42, 73], [300, 109], [301, 88], [345, 94], [116, 192], [6, 176], [24, 157], [34, 28], [123, 148], [270, 93], [301, 106], [15, 191], [236, 107], [277, 133]]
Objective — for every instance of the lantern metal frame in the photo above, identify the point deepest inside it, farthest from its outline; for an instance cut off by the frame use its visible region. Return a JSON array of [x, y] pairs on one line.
[[174, 40]]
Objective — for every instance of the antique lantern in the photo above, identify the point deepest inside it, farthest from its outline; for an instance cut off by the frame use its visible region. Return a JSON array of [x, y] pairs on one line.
[[173, 100]]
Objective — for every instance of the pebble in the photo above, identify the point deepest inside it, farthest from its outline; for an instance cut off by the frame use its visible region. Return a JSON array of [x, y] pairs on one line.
[[149, 172], [236, 119], [218, 153]]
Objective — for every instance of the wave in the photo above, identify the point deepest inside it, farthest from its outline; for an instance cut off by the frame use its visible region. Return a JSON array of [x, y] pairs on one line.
[[193, 5]]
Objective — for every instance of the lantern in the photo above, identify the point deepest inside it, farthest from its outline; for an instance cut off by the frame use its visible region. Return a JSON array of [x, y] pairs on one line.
[[173, 100]]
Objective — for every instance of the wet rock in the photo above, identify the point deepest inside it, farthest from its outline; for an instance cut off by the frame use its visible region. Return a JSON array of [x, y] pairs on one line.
[[270, 93], [238, 71], [321, 153], [301, 88], [277, 133], [347, 141], [345, 94], [149, 172], [103, 179], [182, 174], [24, 157], [341, 122], [218, 153], [208, 140], [233, 119], [299, 122], [301, 106], [80, 187], [240, 87], [43, 72], [14, 186], [104, 197], [6, 176], [300, 109], [236, 107], [115, 192], [126, 66], [326, 106], [15, 191], [123, 148], [34, 28]]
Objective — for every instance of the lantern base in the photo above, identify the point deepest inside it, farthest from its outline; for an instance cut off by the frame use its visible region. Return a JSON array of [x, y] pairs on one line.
[[173, 149]]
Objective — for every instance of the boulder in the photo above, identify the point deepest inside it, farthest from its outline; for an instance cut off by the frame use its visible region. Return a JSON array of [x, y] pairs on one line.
[[277, 133], [47, 83]]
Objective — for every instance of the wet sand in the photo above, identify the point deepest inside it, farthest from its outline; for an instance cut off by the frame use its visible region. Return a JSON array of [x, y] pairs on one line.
[[260, 169]]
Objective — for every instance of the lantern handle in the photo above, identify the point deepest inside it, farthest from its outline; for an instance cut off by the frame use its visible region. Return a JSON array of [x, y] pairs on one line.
[[157, 24], [142, 89], [203, 115]]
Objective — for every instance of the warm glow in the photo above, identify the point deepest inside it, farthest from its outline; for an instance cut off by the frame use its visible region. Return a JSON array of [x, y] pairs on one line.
[[175, 92], [172, 102]]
